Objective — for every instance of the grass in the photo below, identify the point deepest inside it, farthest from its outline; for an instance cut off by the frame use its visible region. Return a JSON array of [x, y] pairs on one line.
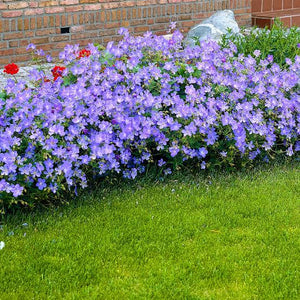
[[220, 236]]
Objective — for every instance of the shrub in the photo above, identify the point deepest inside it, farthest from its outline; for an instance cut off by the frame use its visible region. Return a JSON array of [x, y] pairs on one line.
[[280, 42], [143, 101]]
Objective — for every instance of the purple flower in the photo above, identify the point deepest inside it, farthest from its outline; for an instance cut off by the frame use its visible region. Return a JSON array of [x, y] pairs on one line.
[[17, 190], [30, 46], [290, 151], [223, 153], [161, 162], [174, 150], [256, 53], [41, 184], [167, 171], [202, 152]]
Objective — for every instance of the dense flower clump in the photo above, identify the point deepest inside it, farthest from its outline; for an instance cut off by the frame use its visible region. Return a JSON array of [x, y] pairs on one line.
[[144, 100], [11, 69]]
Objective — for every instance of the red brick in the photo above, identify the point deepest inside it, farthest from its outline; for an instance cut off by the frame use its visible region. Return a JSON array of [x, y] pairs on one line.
[[12, 14], [127, 3], [125, 23], [33, 4], [48, 47], [277, 4], [137, 22], [110, 5], [296, 4], [63, 21], [112, 25], [48, 3], [20, 25], [81, 19], [102, 16], [12, 36], [267, 5], [33, 11], [18, 5], [93, 6], [46, 21], [69, 20], [88, 1], [44, 32], [54, 10], [43, 40], [51, 21], [141, 29], [26, 24], [78, 36], [74, 8], [32, 23], [296, 21], [13, 44], [23, 43], [92, 27], [20, 50], [188, 24], [3, 45], [75, 19], [57, 21], [287, 4], [13, 23], [262, 22], [108, 32], [184, 17], [5, 60], [165, 19], [39, 22], [114, 15], [87, 17], [79, 28], [7, 52], [22, 58], [59, 38], [143, 2], [28, 33], [68, 2]]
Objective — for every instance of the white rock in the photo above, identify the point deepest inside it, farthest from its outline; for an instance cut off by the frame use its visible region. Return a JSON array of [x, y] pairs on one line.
[[213, 28]]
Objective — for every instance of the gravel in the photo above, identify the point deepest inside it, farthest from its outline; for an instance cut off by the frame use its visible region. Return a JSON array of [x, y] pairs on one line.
[[23, 74]]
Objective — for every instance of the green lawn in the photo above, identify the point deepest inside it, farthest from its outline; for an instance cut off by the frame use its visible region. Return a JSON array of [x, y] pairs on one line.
[[227, 236]]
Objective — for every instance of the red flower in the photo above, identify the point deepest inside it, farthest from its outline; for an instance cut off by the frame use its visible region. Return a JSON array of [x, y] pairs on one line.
[[57, 71], [11, 69], [84, 53]]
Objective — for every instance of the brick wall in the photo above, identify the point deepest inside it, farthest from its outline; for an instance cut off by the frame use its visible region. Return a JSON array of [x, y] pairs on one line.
[[51, 24], [265, 11], [273, 5]]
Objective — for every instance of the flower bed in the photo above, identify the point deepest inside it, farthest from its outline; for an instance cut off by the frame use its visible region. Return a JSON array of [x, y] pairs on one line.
[[143, 101]]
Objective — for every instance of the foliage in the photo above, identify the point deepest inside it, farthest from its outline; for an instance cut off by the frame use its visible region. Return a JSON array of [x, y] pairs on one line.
[[279, 44], [143, 101]]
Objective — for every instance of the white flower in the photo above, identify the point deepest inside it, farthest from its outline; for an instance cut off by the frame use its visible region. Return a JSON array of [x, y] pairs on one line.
[[2, 245]]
